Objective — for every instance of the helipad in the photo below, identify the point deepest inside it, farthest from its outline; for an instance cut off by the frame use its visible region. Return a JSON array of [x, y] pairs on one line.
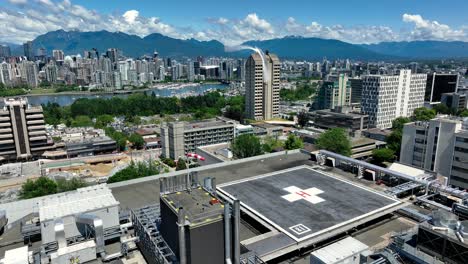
[[305, 203]]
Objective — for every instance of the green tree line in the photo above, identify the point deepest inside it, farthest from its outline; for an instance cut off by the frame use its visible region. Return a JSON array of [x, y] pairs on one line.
[[46, 186], [141, 104], [302, 92]]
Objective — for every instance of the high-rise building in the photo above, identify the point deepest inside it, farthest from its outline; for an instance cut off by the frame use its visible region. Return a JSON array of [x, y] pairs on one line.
[[117, 80], [386, 97], [356, 90], [28, 50], [30, 73], [51, 72], [23, 132], [177, 71], [438, 84], [335, 93], [123, 69], [190, 71], [5, 73], [113, 55], [162, 73], [439, 145], [5, 51], [58, 55], [262, 81]]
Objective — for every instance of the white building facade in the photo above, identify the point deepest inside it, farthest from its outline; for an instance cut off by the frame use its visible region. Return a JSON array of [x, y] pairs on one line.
[[386, 97]]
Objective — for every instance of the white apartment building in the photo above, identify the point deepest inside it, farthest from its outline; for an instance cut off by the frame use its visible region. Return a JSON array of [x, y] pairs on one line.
[[386, 97], [439, 145]]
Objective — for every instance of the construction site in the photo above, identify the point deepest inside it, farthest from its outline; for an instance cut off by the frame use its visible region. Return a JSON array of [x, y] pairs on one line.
[[286, 207]]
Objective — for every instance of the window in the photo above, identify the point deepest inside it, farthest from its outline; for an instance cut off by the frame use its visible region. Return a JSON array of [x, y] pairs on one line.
[[464, 140], [420, 132]]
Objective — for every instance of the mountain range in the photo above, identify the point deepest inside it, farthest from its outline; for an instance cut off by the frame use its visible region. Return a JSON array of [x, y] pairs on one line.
[[295, 47]]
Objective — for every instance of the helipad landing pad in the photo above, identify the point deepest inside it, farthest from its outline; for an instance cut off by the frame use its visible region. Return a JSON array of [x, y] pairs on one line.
[[303, 202]]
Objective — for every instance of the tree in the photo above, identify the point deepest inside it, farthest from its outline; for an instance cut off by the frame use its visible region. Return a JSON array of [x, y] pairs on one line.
[[270, 144], [36, 188], [181, 165], [135, 170], [82, 121], [302, 118], [246, 145], [394, 141], [136, 140], [442, 109], [103, 120], [293, 142], [74, 183], [424, 114], [382, 155], [234, 112], [463, 113], [399, 122], [335, 140]]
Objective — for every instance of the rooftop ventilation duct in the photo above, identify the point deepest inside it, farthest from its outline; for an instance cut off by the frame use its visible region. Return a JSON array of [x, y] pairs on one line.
[[59, 229], [97, 227]]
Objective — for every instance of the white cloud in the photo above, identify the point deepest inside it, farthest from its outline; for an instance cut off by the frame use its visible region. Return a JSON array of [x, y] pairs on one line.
[[252, 21], [427, 29], [222, 21], [27, 21], [23, 20], [130, 16]]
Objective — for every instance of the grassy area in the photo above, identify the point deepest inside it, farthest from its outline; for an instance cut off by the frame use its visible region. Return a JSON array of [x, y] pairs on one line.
[[39, 91]]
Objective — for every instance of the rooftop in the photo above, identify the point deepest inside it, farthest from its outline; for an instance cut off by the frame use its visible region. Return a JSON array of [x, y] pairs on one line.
[[75, 202], [305, 203], [205, 124], [340, 250], [199, 205]]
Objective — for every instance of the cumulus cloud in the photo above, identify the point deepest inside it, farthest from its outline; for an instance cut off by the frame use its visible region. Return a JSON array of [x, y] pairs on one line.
[[427, 29], [130, 16], [23, 20], [32, 18]]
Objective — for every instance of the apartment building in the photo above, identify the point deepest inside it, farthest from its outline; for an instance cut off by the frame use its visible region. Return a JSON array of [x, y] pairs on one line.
[[262, 86], [439, 145], [180, 138], [336, 92], [386, 97], [22, 131]]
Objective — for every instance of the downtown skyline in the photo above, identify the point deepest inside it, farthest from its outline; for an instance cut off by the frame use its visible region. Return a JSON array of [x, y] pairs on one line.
[[236, 22]]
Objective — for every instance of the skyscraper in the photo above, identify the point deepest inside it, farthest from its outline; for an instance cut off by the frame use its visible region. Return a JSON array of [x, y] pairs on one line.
[[262, 80], [28, 50], [386, 97], [5, 51], [112, 54], [30, 73], [5, 73], [58, 55], [51, 72]]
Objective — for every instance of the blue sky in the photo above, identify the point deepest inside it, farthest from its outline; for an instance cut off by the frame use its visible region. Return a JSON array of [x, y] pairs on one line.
[[233, 22]]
